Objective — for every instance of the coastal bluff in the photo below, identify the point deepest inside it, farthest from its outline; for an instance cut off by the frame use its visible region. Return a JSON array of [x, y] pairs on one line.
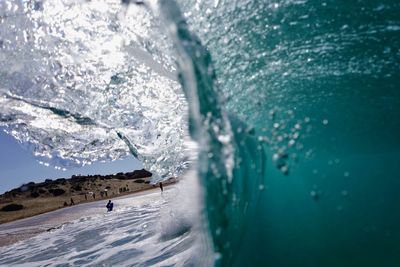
[[35, 198]]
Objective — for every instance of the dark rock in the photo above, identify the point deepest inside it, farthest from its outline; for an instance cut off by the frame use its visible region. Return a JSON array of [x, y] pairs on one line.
[[77, 187], [35, 194], [121, 177], [12, 207], [57, 191], [137, 174]]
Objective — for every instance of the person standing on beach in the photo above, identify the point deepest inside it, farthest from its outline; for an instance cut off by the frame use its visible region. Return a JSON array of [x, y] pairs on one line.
[[110, 206], [161, 187]]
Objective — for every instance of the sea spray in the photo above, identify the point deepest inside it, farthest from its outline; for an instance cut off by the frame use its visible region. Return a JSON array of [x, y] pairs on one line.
[[74, 91], [226, 146]]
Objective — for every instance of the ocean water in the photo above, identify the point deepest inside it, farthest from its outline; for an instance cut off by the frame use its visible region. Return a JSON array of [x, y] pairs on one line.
[[288, 110], [145, 229]]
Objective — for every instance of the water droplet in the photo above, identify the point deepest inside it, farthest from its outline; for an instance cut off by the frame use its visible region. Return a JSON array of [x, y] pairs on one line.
[[261, 187], [299, 146], [345, 193], [272, 114], [325, 122], [306, 119], [346, 174], [291, 142], [284, 169], [263, 139]]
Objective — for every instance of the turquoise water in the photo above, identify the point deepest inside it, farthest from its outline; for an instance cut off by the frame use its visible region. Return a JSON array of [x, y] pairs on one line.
[[294, 107], [317, 84]]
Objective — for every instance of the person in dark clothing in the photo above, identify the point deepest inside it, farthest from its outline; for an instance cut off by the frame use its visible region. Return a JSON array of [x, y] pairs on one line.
[[72, 202], [161, 187], [110, 206]]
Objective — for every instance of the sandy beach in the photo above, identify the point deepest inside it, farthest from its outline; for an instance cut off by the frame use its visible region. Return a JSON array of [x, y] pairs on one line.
[[22, 229], [37, 198]]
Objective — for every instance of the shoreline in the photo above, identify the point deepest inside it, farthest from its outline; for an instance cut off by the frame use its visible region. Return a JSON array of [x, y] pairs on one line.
[[26, 228], [41, 212]]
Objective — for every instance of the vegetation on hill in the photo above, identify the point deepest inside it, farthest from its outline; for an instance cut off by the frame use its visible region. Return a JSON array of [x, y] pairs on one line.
[[35, 198]]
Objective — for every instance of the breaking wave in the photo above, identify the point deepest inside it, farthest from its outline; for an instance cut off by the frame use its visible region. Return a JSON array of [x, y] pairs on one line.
[[293, 105]]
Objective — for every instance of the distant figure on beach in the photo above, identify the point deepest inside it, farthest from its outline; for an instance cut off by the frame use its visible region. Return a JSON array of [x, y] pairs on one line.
[[72, 202], [85, 196], [161, 187], [110, 206]]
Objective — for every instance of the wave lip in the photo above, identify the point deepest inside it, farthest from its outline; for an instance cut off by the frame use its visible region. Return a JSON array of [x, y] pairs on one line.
[[76, 77]]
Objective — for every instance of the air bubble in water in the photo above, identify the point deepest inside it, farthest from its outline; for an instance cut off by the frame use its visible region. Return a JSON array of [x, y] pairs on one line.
[[291, 142], [284, 169], [314, 194]]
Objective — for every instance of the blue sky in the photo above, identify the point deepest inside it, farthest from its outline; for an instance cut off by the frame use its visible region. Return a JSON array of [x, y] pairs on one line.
[[18, 166]]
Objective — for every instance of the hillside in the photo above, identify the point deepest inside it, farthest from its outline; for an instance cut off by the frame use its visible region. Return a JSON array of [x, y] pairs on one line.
[[36, 198]]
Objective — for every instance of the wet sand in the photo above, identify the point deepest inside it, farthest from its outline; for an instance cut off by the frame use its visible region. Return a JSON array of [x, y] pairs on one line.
[[26, 228]]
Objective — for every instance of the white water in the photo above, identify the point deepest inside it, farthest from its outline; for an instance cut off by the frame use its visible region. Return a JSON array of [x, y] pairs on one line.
[[82, 79], [148, 229]]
